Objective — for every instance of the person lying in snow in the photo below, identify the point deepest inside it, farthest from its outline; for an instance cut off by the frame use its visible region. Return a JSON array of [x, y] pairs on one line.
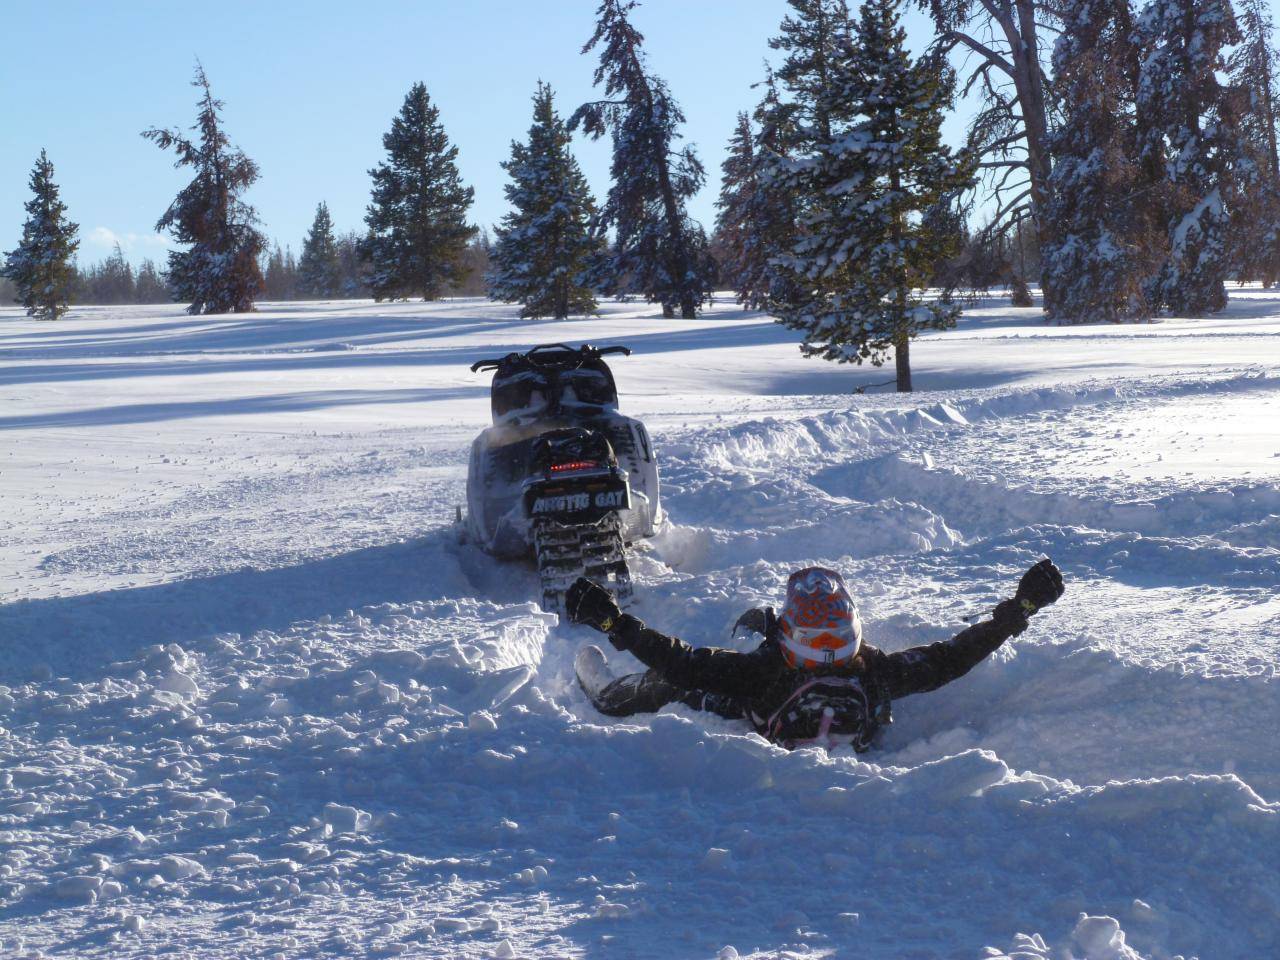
[[811, 681]]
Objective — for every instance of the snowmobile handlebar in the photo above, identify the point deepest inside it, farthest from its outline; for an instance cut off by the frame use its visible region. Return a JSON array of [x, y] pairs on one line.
[[586, 351]]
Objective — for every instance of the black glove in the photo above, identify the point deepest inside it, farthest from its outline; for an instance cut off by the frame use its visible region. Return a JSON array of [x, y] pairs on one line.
[[591, 605], [1039, 587]]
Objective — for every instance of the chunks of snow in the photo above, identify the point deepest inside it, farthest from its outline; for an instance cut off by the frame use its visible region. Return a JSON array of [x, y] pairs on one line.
[[79, 887], [717, 859], [1101, 939], [345, 819]]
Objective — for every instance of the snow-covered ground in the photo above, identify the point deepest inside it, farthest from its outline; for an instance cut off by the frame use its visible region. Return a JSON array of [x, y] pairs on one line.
[[256, 701]]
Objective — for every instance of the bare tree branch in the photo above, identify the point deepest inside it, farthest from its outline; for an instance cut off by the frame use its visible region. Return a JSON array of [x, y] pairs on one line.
[[954, 38]]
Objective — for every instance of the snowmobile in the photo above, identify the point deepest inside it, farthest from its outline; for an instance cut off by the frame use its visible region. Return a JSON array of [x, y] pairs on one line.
[[561, 475]]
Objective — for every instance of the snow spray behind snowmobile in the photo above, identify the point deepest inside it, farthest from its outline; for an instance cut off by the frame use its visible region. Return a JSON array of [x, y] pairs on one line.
[[561, 474]]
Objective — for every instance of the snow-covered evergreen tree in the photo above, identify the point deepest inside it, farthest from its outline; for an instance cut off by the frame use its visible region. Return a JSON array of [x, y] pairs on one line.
[[797, 113], [40, 267], [757, 215], [658, 250], [814, 37], [546, 244], [218, 271], [1255, 200], [319, 273], [1185, 120], [865, 249], [417, 217], [1098, 253]]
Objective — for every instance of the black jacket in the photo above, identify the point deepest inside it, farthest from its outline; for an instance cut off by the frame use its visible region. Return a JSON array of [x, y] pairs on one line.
[[762, 681]]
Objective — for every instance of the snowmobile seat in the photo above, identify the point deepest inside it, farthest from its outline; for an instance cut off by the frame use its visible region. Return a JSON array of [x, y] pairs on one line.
[[549, 376]]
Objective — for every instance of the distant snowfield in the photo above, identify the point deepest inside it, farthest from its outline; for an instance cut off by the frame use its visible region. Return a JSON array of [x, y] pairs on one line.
[[257, 701]]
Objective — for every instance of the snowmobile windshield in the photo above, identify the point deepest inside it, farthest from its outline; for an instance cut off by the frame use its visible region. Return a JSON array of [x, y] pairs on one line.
[[520, 394], [587, 386]]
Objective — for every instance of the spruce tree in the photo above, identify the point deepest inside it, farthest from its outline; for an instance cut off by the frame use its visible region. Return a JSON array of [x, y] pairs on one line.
[[218, 272], [796, 115], [756, 222], [866, 247], [735, 233], [545, 245], [1185, 122], [658, 250], [41, 267], [418, 230], [319, 273], [1255, 200], [1099, 253], [814, 38]]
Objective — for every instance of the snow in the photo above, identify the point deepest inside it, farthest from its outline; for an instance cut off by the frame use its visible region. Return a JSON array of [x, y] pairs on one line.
[[256, 700]]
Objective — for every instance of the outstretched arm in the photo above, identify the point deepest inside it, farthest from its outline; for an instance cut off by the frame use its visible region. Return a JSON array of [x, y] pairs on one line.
[[921, 669], [694, 668]]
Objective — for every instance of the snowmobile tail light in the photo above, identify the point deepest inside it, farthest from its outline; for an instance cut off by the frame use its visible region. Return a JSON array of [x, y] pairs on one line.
[[574, 465]]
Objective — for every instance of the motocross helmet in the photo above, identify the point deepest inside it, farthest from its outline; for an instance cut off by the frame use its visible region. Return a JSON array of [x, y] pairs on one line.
[[819, 625]]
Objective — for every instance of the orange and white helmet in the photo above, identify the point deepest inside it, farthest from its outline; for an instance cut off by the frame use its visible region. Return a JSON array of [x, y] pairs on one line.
[[819, 625]]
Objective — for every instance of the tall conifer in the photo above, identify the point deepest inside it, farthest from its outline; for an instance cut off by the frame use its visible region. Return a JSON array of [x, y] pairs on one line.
[[1185, 122], [218, 271], [1101, 250], [319, 273], [545, 245], [40, 267], [1255, 202], [417, 216], [658, 250], [866, 248]]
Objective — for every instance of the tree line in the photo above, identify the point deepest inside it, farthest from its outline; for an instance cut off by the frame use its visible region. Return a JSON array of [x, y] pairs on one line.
[[1123, 156]]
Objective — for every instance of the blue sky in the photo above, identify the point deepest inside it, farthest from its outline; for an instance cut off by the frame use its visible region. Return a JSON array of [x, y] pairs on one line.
[[310, 89]]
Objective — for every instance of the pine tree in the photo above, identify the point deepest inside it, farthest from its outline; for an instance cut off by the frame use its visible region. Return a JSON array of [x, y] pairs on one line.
[[1100, 252], [150, 286], [40, 267], [545, 245], [1185, 121], [814, 37], [865, 247], [218, 272], [658, 250], [735, 232], [418, 230], [756, 222], [794, 121], [1255, 202], [319, 273]]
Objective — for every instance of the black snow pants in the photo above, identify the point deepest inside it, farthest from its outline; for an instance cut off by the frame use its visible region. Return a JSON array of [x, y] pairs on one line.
[[648, 692]]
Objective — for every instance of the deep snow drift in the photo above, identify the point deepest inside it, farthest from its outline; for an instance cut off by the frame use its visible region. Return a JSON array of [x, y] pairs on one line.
[[256, 700]]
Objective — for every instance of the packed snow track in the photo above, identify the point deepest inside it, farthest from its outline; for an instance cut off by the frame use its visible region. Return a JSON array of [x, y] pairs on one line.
[[256, 699]]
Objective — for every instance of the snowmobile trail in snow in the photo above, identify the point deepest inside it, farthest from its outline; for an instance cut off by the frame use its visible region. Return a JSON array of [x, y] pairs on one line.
[[256, 700]]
